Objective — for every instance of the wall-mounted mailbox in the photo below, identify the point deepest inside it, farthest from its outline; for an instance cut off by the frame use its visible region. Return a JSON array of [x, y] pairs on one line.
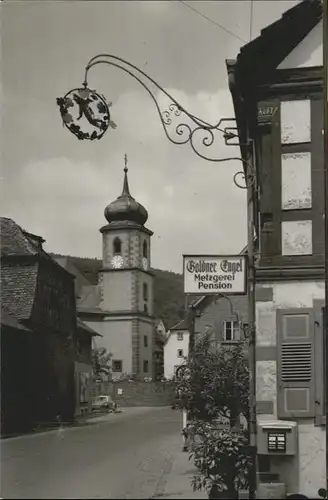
[[277, 437]]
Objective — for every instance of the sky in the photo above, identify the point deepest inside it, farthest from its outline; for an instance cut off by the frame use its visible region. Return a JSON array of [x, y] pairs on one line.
[[56, 186]]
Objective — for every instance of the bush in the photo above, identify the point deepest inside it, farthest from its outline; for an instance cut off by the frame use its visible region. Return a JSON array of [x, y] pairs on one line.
[[215, 382], [222, 459], [214, 385]]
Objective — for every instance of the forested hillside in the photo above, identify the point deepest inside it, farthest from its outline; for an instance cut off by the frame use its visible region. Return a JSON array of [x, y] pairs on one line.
[[168, 289]]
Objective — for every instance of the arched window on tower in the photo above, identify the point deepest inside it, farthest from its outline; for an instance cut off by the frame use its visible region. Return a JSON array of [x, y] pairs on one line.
[[117, 246], [145, 249]]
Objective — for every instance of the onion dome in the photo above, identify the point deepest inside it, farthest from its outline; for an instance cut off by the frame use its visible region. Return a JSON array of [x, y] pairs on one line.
[[125, 207]]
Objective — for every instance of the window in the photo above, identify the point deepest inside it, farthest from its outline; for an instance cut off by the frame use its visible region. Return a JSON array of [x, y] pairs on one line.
[[180, 335], [230, 329], [117, 365], [180, 353], [145, 291], [146, 308], [117, 246], [144, 249], [145, 341], [145, 366]]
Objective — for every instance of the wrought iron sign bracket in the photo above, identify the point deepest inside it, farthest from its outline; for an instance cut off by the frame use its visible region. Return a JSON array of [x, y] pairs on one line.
[[86, 114]]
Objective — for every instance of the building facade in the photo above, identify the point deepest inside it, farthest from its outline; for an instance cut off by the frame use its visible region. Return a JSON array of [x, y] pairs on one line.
[[277, 88], [38, 366], [223, 317], [176, 348], [83, 368], [120, 307]]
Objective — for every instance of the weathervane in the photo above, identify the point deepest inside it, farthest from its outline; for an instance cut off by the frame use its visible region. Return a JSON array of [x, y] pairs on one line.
[[86, 114]]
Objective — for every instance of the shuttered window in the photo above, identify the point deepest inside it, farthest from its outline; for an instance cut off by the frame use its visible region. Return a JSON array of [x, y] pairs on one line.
[[296, 387]]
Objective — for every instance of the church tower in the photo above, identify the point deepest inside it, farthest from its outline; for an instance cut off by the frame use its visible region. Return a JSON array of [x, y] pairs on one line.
[[126, 285]]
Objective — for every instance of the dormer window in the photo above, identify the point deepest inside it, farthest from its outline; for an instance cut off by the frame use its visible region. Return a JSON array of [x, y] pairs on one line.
[[117, 246], [145, 249]]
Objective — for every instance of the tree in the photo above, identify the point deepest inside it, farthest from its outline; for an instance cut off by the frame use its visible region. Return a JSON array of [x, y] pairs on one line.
[[213, 386], [101, 362]]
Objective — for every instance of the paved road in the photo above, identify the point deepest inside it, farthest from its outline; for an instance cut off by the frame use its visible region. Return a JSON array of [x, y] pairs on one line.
[[128, 455]]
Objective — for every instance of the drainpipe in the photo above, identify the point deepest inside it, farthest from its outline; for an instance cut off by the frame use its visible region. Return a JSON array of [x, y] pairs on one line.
[[325, 96], [252, 424]]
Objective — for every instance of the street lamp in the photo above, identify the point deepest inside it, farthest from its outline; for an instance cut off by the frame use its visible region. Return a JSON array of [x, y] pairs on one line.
[[86, 114]]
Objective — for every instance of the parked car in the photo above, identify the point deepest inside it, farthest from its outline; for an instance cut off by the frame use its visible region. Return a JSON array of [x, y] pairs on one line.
[[102, 403]]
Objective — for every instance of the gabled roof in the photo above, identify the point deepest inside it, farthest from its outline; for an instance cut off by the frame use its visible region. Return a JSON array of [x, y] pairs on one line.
[[15, 241], [181, 325], [68, 264], [21, 253], [260, 57]]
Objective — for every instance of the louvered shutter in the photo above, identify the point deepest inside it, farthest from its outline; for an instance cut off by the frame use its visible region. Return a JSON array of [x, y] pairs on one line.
[[320, 365], [296, 389]]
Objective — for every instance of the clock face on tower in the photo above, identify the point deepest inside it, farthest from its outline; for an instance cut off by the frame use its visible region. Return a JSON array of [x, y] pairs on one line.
[[117, 261], [145, 263]]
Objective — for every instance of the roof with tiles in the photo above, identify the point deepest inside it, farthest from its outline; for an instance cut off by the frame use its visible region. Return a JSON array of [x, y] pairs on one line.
[[10, 321], [86, 328], [181, 325], [18, 288], [16, 241], [18, 275]]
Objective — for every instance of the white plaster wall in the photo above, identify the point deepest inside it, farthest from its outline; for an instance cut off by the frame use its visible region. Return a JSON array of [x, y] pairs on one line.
[[312, 453], [265, 324], [295, 119], [118, 335], [266, 382], [170, 352], [296, 237], [291, 295], [304, 473], [146, 353], [307, 474], [297, 294], [116, 338], [308, 53], [296, 181], [117, 291]]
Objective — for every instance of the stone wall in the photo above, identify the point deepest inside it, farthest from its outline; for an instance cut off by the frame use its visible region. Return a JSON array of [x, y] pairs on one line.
[[138, 393]]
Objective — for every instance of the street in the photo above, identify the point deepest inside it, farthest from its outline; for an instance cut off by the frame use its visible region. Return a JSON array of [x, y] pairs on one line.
[[127, 455]]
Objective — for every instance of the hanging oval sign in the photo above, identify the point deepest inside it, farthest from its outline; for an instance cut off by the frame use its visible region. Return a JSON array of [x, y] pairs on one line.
[[85, 113]]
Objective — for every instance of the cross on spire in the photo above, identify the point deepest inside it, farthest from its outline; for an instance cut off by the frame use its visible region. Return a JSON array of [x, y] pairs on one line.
[[126, 191]]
